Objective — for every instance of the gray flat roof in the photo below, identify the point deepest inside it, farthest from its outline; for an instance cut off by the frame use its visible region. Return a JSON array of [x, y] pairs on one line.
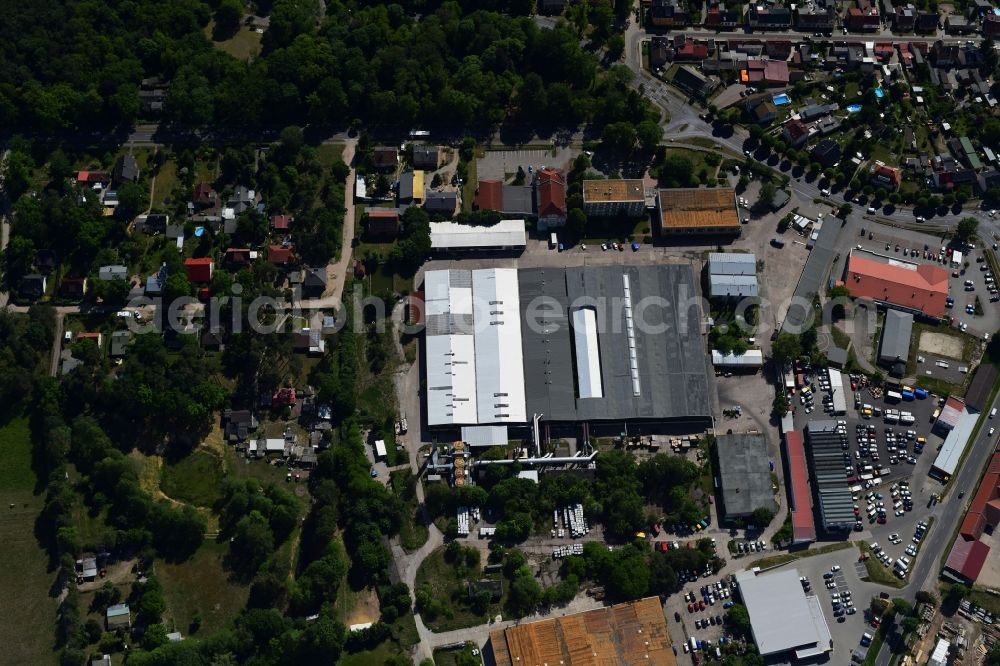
[[744, 473], [896, 336], [814, 273], [732, 263], [836, 507], [670, 360], [780, 616], [732, 285]]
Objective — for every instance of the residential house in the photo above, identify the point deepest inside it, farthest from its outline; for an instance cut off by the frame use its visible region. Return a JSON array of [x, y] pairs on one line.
[[92, 178], [689, 50], [156, 223], [237, 257], [945, 54], [238, 424], [778, 49], [381, 222], [764, 17], [205, 196], [550, 189], [199, 269], [118, 617], [441, 202], [156, 282], [308, 340], [904, 18], [86, 567], [174, 231], [885, 176], [119, 343], [693, 81], [33, 286], [666, 14], [281, 222], [283, 397], [959, 25], [411, 187], [281, 256], [73, 288], [795, 132], [987, 180], [763, 112], [720, 18], [489, 194], [242, 199], [815, 20], [126, 169], [991, 25], [826, 152], [114, 272], [863, 19], [425, 157], [314, 282], [385, 158], [769, 72], [926, 22], [660, 52], [812, 112]]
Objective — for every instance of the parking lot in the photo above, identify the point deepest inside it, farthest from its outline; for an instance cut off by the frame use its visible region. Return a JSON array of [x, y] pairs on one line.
[[926, 249], [501, 164], [879, 455]]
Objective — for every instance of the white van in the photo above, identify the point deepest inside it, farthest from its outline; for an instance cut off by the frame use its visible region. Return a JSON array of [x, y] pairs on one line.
[[993, 412], [553, 241]]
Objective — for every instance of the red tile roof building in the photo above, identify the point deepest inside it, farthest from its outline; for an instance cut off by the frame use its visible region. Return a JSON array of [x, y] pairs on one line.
[[803, 524], [199, 270], [863, 19], [279, 255], [93, 177], [489, 195], [281, 222], [691, 50], [795, 131], [968, 555], [551, 198], [885, 176], [919, 289]]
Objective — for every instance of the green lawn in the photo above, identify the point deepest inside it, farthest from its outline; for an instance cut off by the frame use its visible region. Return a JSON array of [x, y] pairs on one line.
[[196, 479], [878, 572], [200, 585], [27, 634], [166, 181], [449, 586], [328, 153], [782, 558], [243, 45], [376, 656], [241, 468]]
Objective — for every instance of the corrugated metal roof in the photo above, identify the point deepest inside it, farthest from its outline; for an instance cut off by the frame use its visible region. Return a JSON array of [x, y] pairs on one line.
[[753, 358], [485, 435], [837, 391], [453, 235], [745, 473], [896, 335], [732, 263], [780, 617], [499, 363], [732, 285], [588, 359], [954, 444]]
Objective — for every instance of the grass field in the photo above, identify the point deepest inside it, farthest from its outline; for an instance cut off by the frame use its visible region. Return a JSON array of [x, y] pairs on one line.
[[166, 181], [878, 572], [377, 656], [200, 585], [244, 45], [448, 585], [196, 479], [27, 634]]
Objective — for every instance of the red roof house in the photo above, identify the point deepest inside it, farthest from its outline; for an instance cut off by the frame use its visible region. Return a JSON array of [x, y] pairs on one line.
[[279, 255], [691, 50], [776, 72], [967, 558], [281, 222], [918, 288], [489, 195], [283, 397], [968, 555], [551, 198], [239, 256], [885, 176], [93, 177], [200, 269], [795, 131]]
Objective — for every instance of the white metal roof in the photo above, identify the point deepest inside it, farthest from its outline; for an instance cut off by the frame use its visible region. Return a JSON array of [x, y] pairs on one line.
[[752, 358], [451, 379], [732, 285], [780, 616], [485, 435], [588, 358], [955, 443], [453, 235], [380, 448], [837, 391], [499, 362], [732, 263]]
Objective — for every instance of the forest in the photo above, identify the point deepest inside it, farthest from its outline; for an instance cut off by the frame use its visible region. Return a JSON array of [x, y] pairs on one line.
[[71, 67]]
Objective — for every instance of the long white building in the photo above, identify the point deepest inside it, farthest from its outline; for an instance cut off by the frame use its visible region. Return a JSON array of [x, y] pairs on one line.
[[473, 340]]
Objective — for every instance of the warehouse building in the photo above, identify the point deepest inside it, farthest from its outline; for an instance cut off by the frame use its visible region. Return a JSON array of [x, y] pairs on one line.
[[752, 359], [456, 237], [744, 474], [630, 633], [918, 289], [896, 337], [784, 621], [827, 444], [969, 553], [838, 395], [587, 359], [595, 344], [732, 275], [957, 439], [697, 212], [799, 496]]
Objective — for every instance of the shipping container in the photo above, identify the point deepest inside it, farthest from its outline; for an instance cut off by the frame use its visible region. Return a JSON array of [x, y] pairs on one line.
[[920, 393], [893, 396], [907, 395]]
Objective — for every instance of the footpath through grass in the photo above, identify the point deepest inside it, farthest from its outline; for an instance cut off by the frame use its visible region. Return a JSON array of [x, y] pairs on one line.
[[27, 632]]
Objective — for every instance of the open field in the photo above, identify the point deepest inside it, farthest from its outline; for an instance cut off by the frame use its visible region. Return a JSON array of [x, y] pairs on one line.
[[200, 585], [196, 478], [244, 45], [27, 634], [941, 344]]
